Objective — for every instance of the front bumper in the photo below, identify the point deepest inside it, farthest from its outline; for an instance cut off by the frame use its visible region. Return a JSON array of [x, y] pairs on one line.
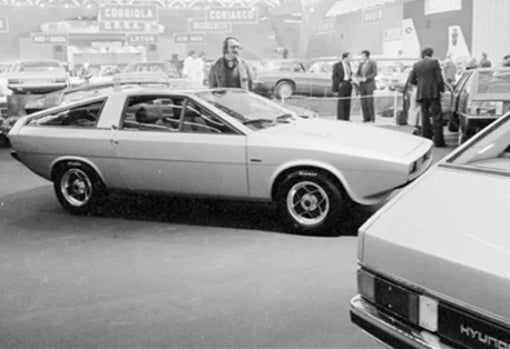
[[390, 331]]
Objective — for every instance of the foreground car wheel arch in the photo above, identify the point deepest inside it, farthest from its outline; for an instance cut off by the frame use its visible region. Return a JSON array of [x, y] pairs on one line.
[[77, 186], [311, 201]]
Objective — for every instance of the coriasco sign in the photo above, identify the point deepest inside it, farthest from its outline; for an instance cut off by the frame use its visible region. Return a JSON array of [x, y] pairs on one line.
[[239, 15]]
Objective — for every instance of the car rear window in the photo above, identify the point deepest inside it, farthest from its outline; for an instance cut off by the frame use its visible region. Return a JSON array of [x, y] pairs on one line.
[[81, 116], [34, 67], [493, 82], [489, 151]]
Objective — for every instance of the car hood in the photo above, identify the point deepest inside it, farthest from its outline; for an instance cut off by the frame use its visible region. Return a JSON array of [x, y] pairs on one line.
[[448, 234], [330, 135]]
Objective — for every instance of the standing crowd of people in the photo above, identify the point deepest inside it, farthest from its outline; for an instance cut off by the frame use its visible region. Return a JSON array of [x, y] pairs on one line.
[[428, 76]]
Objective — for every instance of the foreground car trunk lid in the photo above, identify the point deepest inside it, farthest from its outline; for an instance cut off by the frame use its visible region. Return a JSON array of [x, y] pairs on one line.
[[450, 245]]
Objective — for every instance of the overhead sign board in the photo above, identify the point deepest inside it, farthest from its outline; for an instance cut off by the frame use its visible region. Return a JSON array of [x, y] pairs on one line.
[[138, 13], [189, 38], [142, 39], [198, 25], [54, 39], [372, 16], [239, 15], [440, 6], [327, 26], [4, 24]]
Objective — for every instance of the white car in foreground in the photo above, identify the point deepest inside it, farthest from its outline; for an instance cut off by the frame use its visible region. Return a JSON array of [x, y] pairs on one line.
[[226, 143], [434, 261]]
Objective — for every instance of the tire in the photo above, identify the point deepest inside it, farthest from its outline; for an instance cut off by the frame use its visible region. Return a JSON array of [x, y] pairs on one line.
[[284, 90], [78, 188], [311, 202], [4, 141]]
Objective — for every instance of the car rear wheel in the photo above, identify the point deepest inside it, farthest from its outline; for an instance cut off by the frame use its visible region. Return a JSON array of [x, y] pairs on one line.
[[78, 188], [310, 202], [284, 90]]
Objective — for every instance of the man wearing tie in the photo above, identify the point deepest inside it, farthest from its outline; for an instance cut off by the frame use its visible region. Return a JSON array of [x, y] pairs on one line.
[[367, 71], [342, 86]]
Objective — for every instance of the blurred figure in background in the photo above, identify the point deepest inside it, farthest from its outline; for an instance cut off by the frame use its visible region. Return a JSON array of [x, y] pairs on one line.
[[506, 61], [484, 61], [85, 73], [187, 67], [367, 71], [449, 69], [198, 75], [230, 70], [471, 64]]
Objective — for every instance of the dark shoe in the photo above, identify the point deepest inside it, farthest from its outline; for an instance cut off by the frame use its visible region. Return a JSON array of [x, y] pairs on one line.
[[441, 145]]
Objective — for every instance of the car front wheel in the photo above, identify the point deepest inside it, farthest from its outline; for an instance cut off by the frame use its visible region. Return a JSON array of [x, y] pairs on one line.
[[311, 202], [78, 188], [284, 90]]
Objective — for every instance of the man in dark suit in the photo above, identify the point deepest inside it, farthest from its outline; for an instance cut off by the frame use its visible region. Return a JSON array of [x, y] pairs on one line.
[[426, 75], [342, 86], [367, 71]]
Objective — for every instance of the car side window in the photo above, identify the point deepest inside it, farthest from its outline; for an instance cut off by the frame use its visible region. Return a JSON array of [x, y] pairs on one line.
[[197, 119], [83, 116], [152, 113]]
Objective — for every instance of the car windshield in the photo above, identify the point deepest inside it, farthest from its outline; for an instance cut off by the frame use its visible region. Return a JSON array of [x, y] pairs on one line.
[[34, 67], [253, 111], [493, 82], [489, 151]]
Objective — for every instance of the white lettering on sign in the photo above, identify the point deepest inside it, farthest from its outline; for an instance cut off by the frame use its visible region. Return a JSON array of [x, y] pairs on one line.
[[128, 13], [215, 27], [440, 6], [54, 39], [123, 26], [392, 34], [233, 15], [373, 16], [189, 38], [142, 39]]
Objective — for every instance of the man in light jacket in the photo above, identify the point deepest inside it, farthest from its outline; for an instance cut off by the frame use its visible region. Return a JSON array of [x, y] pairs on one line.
[[230, 70]]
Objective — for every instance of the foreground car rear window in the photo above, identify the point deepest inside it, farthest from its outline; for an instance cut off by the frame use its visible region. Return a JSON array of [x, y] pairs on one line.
[[488, 151]]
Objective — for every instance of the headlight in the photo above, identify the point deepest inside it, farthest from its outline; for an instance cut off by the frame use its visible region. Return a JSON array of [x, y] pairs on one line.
[[488, 108]]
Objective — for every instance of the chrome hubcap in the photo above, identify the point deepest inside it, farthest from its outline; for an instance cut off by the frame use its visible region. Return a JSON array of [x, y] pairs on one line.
[[285, 91], [76, 187], [308, 203]]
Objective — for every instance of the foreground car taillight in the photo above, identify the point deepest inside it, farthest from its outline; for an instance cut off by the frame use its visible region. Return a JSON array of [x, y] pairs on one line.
[[400, 301], [485, 108], [14, 81]]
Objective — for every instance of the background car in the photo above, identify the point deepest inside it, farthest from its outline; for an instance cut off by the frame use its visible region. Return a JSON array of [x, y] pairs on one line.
[[285, 78], [32, 83], [227, 143], [152, 70], [433, 261], [480, 97]]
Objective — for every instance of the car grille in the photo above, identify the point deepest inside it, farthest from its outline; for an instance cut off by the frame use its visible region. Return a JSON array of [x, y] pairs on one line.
[[456, 327]]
